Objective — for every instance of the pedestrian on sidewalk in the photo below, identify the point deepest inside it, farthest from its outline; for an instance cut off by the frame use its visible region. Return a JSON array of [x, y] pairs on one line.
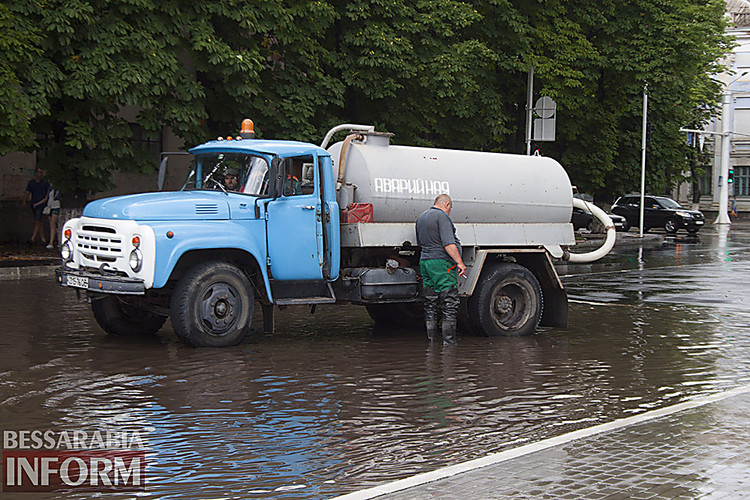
[[53, 211], [37, 189], [440, 262], [733, 212]]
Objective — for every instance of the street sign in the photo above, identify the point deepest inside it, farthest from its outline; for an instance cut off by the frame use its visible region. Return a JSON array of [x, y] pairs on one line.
[[544, 126]]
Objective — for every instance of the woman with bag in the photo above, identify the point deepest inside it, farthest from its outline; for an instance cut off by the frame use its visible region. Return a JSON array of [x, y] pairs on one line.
[[53, 210]]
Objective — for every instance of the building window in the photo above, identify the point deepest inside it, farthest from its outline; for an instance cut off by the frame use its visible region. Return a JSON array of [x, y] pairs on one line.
[[742, 181], [705, 181], [141, 141]]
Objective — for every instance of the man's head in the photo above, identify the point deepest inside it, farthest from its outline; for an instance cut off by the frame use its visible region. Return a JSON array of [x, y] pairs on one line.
[[444, 203], [38, 174], [231, 182]]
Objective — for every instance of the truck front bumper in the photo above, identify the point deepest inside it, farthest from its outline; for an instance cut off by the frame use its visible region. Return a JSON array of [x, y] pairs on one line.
[[101, 283]]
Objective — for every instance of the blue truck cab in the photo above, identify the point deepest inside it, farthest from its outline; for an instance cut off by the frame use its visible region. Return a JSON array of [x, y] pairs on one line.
[[258, 219]]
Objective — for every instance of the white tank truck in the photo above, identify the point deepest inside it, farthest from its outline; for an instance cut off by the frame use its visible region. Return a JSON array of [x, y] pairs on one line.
[[205, 255], [512, 215]]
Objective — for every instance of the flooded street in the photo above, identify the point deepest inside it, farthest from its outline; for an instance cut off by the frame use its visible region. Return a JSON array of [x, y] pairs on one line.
[[331, 404]]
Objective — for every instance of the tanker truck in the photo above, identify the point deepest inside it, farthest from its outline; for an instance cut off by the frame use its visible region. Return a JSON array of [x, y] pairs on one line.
[[206, 255]]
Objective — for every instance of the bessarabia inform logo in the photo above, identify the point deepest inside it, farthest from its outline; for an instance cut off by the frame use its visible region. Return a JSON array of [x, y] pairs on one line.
[[110, 460]]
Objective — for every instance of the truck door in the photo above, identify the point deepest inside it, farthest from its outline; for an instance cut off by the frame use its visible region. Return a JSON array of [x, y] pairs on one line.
[[294, 228]]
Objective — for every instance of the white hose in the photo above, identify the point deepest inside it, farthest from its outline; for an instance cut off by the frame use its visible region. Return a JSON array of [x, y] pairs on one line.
[[345, 126], [609, 242]]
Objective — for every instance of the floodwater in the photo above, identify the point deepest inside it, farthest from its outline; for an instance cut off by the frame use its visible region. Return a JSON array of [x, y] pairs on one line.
[[330, 404]]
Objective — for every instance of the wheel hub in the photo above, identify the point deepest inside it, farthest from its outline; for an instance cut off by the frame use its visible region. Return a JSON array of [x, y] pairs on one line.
[[219, 308], [504, 304]]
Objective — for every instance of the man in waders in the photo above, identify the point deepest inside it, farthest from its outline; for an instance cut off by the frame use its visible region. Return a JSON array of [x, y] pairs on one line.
[[441, 264]]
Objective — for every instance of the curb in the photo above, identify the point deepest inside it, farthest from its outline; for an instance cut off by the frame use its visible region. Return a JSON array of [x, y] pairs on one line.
[[17, 273], [596, 240]]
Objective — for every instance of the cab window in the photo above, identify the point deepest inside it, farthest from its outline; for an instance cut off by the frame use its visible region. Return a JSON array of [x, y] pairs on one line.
[[299, 176]]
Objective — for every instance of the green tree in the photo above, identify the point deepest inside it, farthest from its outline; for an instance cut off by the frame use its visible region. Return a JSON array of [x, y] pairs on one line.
[[119, 64], [672, 45], [25, 81], [443, 73]]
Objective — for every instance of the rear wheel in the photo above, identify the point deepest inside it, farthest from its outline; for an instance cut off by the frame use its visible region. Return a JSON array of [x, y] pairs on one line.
[[118, 317], [507, 302], [626, 226], [693, 230], [213, 305], [670, 225]]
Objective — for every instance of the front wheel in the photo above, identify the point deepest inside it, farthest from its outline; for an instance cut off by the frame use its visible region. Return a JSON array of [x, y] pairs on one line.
[[213, 305], [507, 302], [670, 226], [117, 317]]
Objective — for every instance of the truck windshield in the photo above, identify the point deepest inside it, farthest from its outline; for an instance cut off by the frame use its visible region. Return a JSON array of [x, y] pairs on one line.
[[231, 172]]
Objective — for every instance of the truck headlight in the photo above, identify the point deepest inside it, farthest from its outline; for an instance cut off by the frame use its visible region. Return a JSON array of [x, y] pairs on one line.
[[66, 251], [136, 260]]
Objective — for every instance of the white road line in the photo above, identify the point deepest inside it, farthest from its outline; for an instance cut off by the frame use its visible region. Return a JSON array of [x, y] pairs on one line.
[[495, 458]]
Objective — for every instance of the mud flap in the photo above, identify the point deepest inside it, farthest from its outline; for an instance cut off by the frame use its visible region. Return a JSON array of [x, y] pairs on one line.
[[555, 311]]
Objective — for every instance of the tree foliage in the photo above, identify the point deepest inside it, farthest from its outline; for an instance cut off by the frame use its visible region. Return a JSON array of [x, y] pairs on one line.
[[86, 75]]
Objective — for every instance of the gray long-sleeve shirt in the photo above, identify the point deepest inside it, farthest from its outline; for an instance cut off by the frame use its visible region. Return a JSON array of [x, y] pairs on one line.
[[435, 231]]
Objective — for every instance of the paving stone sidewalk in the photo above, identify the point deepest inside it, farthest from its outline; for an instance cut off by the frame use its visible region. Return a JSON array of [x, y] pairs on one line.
[[701, 452]]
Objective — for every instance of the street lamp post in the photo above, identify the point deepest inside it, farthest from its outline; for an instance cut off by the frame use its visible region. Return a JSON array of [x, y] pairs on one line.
[[643, 156], [726, 129]]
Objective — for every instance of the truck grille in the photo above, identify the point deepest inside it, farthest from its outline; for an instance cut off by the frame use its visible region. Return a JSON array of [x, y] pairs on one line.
[[99, 243]]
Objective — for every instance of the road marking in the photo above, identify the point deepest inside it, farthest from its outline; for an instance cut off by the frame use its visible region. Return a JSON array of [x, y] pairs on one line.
[[592, 303], [495, 458]]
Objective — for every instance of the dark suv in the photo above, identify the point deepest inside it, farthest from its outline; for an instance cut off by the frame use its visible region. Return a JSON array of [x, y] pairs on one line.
[[659, 211]]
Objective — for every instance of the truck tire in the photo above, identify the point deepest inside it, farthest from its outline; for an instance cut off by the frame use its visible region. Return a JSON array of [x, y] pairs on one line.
[[409, 314], [213, 305], [119, 318], [507, 302]]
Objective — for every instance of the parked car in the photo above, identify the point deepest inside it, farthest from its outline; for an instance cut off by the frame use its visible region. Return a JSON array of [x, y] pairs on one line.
[[659, 211], [585, 219]]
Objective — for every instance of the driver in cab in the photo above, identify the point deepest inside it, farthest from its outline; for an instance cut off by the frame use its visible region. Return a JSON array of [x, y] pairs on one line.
[[231, 180]]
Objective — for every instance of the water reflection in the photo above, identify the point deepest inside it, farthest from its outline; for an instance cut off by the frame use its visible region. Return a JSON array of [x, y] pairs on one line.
[[330, 404]]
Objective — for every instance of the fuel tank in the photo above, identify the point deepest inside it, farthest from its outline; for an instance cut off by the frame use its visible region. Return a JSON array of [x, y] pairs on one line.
[[403, 181]]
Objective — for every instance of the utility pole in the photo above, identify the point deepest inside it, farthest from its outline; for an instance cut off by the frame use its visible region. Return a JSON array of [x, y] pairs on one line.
[[529, 108], [643, 156]]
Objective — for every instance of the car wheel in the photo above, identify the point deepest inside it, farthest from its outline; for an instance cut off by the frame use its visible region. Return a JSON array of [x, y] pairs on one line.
[[625, 227], [670, 226], [692, 230]]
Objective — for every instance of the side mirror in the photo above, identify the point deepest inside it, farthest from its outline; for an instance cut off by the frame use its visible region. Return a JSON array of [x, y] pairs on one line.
[[162, 173]]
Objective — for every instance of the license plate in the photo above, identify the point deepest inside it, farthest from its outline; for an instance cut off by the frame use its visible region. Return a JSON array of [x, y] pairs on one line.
[[698, 222], [78, 282]]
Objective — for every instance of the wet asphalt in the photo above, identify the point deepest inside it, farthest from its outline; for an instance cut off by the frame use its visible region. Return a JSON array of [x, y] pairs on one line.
[[331, 404]]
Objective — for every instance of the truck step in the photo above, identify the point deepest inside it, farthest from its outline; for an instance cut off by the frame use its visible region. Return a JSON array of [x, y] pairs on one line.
[[305, 300], [302, 292]]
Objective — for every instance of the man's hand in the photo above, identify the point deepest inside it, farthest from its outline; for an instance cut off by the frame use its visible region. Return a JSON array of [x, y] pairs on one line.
[[452, 250], [461, 269]]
